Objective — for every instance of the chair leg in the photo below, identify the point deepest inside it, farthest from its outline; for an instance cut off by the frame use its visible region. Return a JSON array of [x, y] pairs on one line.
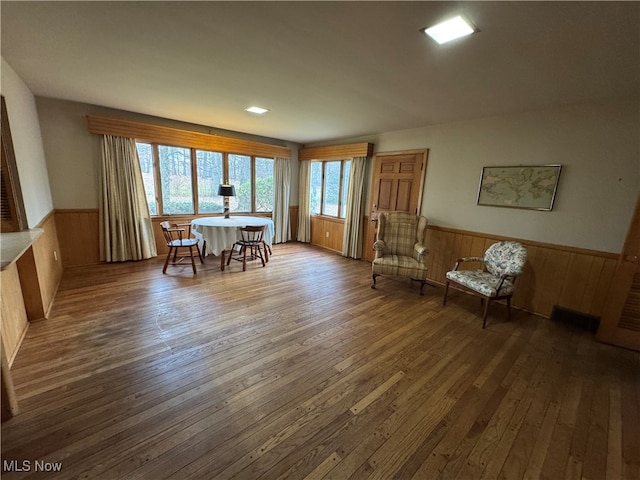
[[244, 259], [193, 260], [259, 254], [487, 302], [233, 247], [166, 262], [200, 254], [446, 290]]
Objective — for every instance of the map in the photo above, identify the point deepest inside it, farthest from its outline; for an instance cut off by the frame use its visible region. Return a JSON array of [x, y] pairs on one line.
[[520, 187]]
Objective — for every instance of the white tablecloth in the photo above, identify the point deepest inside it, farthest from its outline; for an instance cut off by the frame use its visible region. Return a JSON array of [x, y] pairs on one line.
[[220, 233]]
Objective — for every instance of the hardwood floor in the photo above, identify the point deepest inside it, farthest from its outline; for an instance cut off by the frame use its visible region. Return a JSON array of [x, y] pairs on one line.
[[299, 370]]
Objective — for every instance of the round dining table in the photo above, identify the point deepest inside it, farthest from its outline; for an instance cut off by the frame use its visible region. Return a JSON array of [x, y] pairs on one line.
[[219, 233]]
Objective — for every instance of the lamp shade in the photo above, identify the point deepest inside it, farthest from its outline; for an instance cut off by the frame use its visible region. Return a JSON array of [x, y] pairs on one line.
[[226, 190]]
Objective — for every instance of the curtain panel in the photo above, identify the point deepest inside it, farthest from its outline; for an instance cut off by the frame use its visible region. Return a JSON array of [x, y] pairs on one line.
[[304, 217], [126, 232], [353, 224], [282, 184]]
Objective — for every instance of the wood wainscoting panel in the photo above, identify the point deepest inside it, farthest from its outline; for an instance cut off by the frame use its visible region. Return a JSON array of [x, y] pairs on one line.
[[79, 236], [48, 261], [321, 226], [14, 314], [570, 277]]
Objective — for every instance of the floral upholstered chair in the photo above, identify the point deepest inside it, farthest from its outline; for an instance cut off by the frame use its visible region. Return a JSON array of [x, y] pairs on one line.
[[503, 262], [399, 247]]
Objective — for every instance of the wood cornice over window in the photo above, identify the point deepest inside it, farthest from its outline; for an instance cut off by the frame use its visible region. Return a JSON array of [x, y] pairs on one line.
[[183, 138], [336, 152]]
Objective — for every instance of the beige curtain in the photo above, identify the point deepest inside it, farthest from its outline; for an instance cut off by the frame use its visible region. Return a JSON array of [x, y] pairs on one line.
[[304, 219], [125, 223], [282, 185], [353, 225]]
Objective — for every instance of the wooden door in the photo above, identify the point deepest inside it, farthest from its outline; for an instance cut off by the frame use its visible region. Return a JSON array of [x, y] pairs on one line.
[[397, 184], [398, 181], [620, 322]]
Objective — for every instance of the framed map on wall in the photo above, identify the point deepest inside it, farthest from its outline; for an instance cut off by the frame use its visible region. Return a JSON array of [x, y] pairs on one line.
[[532, 187]]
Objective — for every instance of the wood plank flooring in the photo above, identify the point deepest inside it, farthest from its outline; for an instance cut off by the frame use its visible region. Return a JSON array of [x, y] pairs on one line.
[[299, 370]]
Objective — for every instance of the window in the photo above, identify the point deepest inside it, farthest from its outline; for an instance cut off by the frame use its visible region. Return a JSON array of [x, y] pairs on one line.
[[210, 173], [180, 180], [328, 188], [264, 185], [240, 177], [175, 178], [145, 155]]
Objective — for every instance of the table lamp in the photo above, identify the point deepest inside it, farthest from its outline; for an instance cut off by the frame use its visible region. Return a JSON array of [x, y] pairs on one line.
[[226, 191]]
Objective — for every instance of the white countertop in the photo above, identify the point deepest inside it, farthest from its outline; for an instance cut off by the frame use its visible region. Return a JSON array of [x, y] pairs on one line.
[[14, 244]]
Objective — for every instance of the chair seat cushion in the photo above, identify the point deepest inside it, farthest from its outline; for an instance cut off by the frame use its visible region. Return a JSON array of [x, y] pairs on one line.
[[399, 265], [481, 282], [187, 242]]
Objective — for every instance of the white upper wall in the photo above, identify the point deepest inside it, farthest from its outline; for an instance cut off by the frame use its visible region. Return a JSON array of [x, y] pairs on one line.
[[598, 146], [27, 146], [73, 154]]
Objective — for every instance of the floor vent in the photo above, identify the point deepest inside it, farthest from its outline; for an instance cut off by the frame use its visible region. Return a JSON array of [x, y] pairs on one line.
[[576, 319]]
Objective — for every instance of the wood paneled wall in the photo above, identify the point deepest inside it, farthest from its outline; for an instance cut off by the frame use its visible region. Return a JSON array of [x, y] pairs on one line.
[[29, 286], [48, 262], [573, 278], [327, 232], [14, 315], [78, 234]]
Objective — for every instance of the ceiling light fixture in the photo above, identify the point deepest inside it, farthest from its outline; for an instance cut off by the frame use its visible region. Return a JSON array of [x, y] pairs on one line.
[[257, 110], [450, 30]]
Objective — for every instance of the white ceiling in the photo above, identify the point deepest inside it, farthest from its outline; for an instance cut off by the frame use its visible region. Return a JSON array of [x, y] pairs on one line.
[[327, 70]]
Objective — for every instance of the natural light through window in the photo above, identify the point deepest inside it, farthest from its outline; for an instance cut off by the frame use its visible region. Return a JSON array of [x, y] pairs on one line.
[[182, 180], [328, 186]]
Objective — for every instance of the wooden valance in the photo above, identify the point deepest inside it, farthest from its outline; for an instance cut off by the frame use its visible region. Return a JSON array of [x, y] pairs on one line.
[[182, 138], [336, 152]]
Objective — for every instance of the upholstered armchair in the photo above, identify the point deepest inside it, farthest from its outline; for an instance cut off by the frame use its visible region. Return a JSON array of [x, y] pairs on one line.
[[503, 263], [399, 247]]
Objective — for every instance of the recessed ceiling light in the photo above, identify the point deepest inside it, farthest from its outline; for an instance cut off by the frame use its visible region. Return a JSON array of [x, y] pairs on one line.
[[450, 30], [257, 110]]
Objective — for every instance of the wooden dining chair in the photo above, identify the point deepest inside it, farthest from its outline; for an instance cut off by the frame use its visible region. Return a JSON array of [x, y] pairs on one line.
[[249, 246], [179, 238]]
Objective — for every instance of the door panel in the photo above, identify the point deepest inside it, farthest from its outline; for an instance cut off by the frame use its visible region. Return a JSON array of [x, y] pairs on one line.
[[403, 198], [385, 187]]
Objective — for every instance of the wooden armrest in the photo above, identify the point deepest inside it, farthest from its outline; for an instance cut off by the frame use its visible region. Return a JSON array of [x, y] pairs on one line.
[[188, 225], [467, 259]]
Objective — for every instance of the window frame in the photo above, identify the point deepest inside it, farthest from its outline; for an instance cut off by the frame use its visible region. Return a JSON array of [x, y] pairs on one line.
[[341, 190], [194, 177]]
